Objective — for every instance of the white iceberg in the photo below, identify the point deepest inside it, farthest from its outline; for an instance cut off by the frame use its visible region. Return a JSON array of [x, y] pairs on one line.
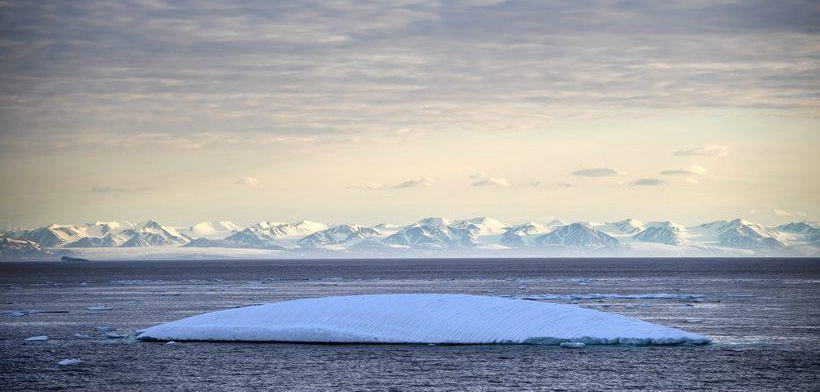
[[99, 308], [418, 319], [573, 345], [69, 362]]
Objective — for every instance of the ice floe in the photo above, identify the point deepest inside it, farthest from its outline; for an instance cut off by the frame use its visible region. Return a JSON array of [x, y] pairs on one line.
[[573, 345], [69, 362], [21, 313], [41, 338], [99, 308], [419, 318]]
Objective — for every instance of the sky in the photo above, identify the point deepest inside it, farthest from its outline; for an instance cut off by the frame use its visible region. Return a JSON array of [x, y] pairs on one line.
[[391, 111]]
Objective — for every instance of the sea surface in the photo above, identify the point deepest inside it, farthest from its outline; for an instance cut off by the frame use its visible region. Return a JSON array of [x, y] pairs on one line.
[[762, 314]]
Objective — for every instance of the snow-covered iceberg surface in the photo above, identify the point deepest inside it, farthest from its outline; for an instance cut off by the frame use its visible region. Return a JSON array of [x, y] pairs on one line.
[[419, 318]]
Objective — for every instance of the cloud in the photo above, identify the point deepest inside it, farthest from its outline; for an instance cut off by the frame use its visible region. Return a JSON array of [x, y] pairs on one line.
[[694, 169], [371, 186], [563, 185], [712, 150], [691, 180], [478, 3], [535, 183], [785, 213], [482, 179], [647, 182], [416, 182], [108, 189], [422, 181], [249, 181], [207, 67], [492, 181], [598, 172]]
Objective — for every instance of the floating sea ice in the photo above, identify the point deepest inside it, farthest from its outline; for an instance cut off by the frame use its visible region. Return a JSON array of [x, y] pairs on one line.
[[114, 335], [99, 308], [69, 362], [130, 282], [21, 313], [82, 336], [694, 320], [170, 342], [41, 338], [104, 329], [573, 345]]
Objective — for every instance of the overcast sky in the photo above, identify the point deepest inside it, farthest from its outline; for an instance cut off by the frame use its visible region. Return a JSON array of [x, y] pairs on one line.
[[393, 110]]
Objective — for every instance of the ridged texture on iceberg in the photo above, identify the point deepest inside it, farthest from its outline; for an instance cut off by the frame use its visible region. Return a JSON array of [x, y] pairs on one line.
[[419, 318]]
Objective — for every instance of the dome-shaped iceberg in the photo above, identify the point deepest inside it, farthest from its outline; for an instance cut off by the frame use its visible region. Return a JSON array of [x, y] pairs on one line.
[[419, 318]]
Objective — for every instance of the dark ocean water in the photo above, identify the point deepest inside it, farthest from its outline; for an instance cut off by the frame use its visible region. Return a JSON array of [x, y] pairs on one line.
[[762, 314]]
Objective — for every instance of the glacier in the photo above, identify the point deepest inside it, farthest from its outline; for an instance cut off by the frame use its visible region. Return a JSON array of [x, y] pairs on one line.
[[419, 319]]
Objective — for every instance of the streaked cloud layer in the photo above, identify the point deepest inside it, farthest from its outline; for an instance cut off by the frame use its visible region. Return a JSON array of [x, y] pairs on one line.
[[190, 74], [186, 97]]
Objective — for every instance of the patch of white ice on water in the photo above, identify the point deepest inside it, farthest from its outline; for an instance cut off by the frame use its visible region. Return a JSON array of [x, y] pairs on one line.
[[419, 318]]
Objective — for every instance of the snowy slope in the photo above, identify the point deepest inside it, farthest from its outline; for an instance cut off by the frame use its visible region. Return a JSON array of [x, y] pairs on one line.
[[419, 318], [663, 233], [13, 248], [337, 235], [427, 233], [211, 230], [523, 235], [737, 233], [54, 235], [110, 240], [100, 228], [626, 227], [265, 234], [578, 235], [152, 233], [486, 226]]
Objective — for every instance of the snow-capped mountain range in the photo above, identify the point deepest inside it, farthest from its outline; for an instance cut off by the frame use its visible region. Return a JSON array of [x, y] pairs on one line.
[[429, 237]]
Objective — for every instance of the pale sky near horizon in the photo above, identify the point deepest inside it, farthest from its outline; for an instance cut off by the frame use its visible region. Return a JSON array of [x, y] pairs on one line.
[[391, 111]]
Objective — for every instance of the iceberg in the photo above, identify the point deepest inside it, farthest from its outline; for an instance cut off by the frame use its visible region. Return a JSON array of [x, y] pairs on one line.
[[69, 362], [418, 319]]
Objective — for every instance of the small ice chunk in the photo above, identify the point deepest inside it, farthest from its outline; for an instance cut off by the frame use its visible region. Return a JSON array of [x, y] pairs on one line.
[[114, 335], [104, 329], [13, 313], [69, 362], [694, 320], [40, 338], [170, 342], [82, 336], [573, 345], [99, 308]]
